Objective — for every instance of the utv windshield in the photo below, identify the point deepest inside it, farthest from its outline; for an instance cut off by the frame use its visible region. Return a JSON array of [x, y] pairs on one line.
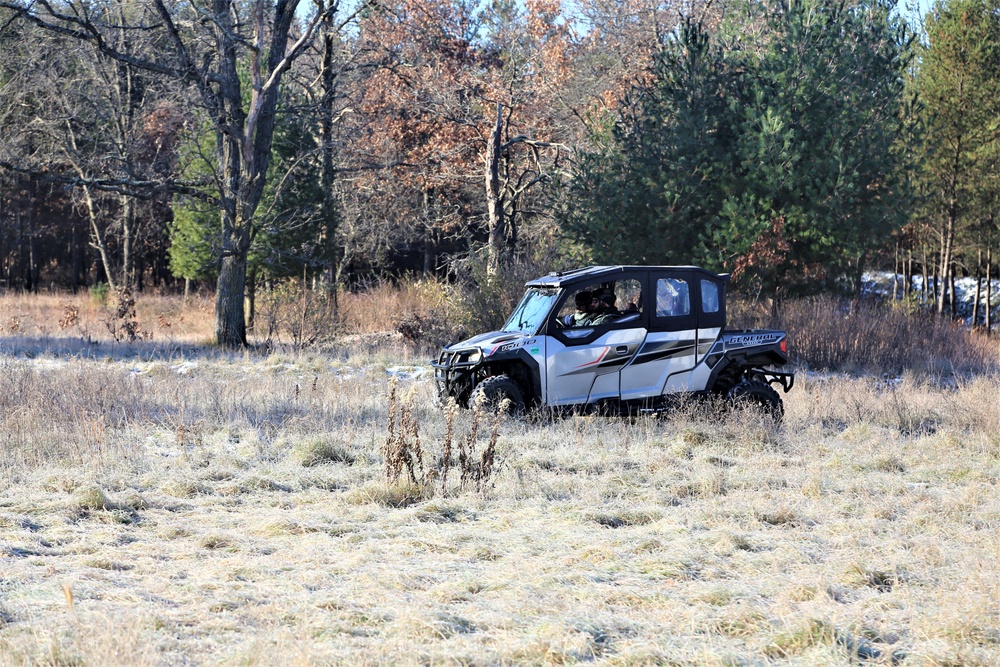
[[530, 314]]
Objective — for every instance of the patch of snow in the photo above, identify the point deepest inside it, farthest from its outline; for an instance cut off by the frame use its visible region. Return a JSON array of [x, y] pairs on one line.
[[881, 283], [408, 372], [888, 384], [347, 373], [185, 367], [47, 363]]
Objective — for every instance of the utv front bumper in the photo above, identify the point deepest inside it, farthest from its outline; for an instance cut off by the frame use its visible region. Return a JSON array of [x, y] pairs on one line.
[[454, 371]]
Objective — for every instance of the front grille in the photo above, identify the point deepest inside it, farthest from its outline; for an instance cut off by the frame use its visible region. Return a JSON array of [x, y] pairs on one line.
[[452, 359]]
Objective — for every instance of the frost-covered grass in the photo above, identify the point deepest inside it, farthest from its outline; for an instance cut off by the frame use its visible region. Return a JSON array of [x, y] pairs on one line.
[[234, 510]]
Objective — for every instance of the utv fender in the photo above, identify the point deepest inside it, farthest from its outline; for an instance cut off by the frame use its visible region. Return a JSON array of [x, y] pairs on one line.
[[521, 367], [720, 381], [730, 371]]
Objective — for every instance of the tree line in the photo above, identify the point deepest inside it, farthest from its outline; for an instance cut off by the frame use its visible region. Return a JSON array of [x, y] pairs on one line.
[[234, 143]]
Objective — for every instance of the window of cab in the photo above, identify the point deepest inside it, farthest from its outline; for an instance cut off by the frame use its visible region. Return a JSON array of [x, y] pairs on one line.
[[608, 302], [709, 296], [673, 297]]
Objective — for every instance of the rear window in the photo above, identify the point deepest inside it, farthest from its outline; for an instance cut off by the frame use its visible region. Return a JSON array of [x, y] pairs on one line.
[[673, 298], [709, 297]]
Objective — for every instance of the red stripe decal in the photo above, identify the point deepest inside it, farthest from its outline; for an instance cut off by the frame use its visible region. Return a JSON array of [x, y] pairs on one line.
[[599, 359]]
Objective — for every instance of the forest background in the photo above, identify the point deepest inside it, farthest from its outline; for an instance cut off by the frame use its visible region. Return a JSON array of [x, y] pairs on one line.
[[296, 150]]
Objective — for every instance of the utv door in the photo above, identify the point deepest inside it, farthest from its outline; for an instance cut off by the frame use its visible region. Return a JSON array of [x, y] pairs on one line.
[[711, 307], [583, 363], [664, 362]]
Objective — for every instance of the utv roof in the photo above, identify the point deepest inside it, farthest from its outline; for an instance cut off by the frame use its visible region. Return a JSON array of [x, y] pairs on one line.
[[591, 273]]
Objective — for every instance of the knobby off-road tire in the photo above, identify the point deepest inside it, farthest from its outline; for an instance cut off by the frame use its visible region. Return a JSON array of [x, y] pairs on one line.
[[491, 393], [757, 394]]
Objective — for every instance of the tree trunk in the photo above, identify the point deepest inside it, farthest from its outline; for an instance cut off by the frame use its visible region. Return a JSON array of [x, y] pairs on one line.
[[989, 290], [935, 287], [428, 239], [32, 261], [78, 258], [948, 231], [330, 213], [495, 222], [230, 321], [428, 252], [952, 302], [98, 240], [979, 288], [251, 299], [128, 216], [908, 287], [944, 273], [32, 258], [245, 153], [895, 272], [924, 292]]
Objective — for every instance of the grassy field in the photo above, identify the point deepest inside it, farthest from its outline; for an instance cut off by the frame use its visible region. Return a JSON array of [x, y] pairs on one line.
[[163, 504]]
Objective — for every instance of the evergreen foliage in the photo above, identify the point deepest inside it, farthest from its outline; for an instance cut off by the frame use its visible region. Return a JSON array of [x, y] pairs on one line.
[[958, 83], [289, 238], [195, 231], [769, 149]]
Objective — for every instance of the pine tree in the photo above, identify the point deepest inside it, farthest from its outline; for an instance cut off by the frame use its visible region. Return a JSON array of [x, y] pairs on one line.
[[769, 148], [958, 83]]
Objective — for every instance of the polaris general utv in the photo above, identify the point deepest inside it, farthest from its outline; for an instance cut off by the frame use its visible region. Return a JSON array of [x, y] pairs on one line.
[[620, 339]]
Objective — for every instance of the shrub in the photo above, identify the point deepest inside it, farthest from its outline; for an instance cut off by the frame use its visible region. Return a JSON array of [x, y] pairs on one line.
[[91, 497], [294, 311], [99, 294], [308, 453], [867, 335], [122, 323], [403, 453]]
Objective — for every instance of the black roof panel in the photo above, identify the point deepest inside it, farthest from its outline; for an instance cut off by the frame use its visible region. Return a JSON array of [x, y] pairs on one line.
[[590, 273]]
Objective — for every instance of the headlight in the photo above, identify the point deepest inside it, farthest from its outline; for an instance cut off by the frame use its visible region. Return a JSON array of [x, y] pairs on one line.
[[470, 357]]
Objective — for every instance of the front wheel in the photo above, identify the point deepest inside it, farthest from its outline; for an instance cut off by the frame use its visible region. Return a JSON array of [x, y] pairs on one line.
[[757, 394], [494, 390]]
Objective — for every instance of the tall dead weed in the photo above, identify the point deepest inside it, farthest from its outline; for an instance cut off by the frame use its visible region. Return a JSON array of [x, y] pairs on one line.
[[403, 453]]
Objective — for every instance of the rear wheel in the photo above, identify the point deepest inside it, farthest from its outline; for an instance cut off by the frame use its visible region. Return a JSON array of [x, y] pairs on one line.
[[494, 390], [757, 394]]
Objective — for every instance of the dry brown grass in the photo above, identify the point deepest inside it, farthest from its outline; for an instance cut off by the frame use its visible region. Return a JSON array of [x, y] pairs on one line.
[[871, 336], [387, 306], [81, 317], [235, 510], [413, 311], [825, 333]]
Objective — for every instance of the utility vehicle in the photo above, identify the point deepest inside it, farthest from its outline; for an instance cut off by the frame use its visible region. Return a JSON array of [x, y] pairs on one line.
[[565, 344]]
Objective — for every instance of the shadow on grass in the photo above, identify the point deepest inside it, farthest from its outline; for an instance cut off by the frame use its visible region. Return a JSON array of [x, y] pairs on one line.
[[342, 349], [30, 347]]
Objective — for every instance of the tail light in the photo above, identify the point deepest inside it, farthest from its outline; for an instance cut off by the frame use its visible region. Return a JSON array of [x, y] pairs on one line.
[[783, 345]]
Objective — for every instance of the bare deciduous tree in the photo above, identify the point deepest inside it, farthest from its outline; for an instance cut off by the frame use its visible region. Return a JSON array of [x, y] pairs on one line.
[[234, 55]]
